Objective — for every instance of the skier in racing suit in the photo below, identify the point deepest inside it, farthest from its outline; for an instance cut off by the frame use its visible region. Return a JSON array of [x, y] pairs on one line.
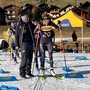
[[46, 35]]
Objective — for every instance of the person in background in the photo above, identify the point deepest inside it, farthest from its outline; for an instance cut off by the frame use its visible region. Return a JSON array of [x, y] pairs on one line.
[[25, 40], [74, 36], [13, 50]]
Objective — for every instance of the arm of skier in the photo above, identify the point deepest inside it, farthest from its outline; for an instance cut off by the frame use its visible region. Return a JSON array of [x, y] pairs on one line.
[[54, 25], [37, 29]]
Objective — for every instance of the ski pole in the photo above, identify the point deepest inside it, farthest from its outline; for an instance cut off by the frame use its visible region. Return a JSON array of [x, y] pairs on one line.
[[36, 48], [63, 47], [62, 43]]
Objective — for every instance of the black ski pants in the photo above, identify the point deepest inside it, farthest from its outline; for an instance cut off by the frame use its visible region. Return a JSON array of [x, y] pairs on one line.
[[49, 46], [26, 58]]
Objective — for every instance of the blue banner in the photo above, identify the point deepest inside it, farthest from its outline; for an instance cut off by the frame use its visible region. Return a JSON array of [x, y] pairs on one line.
[[66, 24]]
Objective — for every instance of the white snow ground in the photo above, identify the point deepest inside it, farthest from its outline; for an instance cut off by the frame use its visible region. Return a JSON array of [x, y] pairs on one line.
[[70, 39], [50, 83]]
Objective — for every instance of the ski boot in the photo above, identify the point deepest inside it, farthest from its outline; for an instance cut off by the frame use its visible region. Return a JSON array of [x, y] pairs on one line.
[[52, 72]]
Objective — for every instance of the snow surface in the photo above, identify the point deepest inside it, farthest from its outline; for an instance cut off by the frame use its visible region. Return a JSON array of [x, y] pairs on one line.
[[50, 83], [70, 39]]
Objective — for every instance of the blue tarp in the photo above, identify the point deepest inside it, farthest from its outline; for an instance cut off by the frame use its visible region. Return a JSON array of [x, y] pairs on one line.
[[74, 75], [67, 69], [81, 58], [4, 87], [7, 78], [4, 72]]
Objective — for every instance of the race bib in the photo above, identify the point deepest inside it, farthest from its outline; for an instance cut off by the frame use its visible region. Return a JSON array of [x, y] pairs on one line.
[[47, 34]]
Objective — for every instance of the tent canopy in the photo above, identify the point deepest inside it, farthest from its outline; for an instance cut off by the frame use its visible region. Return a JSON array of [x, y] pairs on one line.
[[70, 19]]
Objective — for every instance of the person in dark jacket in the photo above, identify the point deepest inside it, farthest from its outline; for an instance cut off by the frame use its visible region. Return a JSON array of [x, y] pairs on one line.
[[74, 36], [24, 40]]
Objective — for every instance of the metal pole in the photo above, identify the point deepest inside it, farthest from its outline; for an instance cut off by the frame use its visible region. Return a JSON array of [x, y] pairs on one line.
[[82, 38]]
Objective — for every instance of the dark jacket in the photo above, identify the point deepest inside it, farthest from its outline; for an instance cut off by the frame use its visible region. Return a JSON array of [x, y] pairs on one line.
[[74, 36], [24, 33]]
